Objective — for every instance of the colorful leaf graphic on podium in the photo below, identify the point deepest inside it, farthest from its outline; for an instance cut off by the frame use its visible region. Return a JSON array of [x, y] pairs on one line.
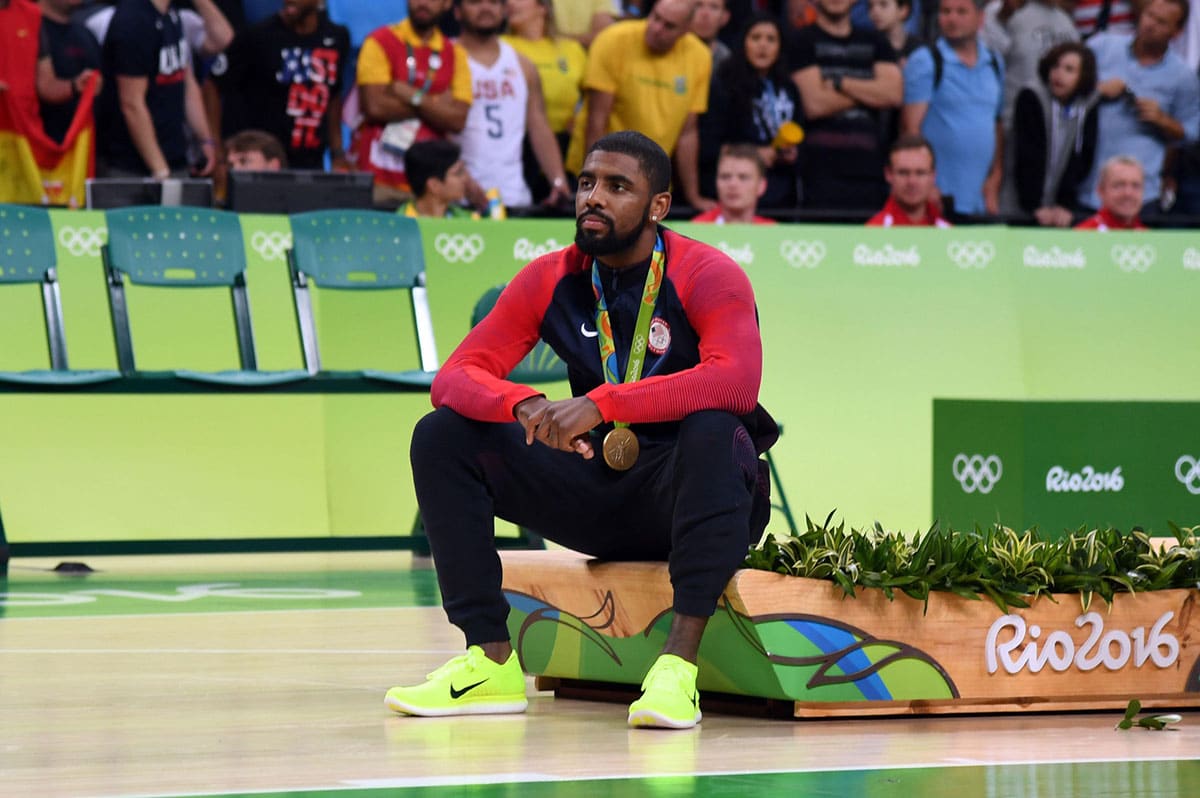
[[821, 659]]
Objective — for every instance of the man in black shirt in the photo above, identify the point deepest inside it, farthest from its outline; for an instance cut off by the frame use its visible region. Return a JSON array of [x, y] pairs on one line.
[[72, 54], [152, 93], [848, 80], [285, 76]]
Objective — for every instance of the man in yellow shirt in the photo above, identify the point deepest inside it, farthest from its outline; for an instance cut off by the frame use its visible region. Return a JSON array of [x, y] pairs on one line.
[[583, 19], [651, 76], [413, 85]]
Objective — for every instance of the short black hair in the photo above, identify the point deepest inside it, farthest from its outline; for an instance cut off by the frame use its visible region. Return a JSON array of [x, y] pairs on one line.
[[653, 159], [427, 160]]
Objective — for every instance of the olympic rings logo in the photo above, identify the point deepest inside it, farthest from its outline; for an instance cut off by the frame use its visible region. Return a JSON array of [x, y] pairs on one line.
[[459, 248], [1187, 471], [977, 473], [1191, 259], [803, 254], [80, 241], [1134, 258], [971, 254], [271, 246]]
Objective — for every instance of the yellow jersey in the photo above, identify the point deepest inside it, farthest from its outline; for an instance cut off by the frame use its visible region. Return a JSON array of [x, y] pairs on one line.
[[652, 93], [560, 63]]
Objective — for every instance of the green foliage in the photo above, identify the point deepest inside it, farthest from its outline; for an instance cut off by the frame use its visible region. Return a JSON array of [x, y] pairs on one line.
[[1009, 567], [1151, 722]]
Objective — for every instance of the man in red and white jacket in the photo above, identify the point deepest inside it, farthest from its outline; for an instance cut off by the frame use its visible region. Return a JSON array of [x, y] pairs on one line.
[[911, 171], [1121, 188], [660, 463]]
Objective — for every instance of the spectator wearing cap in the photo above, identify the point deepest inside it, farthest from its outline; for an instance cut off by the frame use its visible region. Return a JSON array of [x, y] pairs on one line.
[[911, 172], [954, 96], [1121, 189]]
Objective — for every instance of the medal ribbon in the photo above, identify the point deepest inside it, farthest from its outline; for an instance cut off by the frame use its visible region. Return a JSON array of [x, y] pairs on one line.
[[641, 331]]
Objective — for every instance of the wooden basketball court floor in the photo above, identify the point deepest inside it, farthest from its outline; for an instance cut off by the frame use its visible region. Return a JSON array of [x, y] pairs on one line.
[[265, 674]]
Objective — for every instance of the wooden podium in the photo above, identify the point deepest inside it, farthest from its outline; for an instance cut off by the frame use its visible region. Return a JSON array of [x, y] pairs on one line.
[[583, 627]]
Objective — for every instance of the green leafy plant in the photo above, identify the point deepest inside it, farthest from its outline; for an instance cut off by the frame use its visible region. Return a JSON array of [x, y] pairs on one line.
[[1011, 568], [1151, 722]]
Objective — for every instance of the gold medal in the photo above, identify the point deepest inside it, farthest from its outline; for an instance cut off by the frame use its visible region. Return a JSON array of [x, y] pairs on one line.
[[621, 449]]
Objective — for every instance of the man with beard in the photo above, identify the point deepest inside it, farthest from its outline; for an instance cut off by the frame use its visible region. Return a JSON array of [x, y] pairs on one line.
[[413, 85], [508, 101], [286, 75], [653, 458]]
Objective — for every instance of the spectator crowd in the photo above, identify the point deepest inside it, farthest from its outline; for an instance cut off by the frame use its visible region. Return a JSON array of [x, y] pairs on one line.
[[916, 111]]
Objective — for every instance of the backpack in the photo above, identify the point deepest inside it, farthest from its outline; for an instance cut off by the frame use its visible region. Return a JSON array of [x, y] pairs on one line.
[[939, 63]]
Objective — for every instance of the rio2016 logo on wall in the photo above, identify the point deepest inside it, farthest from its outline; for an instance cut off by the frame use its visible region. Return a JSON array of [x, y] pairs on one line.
[[977, 472], [971, 254], [80, 241], [1191, 259], [802, 254], [742, 253], [1134, 257], [526, 250], [1187, 471], [1087, 480], [271, 246], [459, 247]]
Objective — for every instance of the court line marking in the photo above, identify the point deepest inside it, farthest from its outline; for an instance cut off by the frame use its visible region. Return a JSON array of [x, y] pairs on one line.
[[208, 613], [519, 777]]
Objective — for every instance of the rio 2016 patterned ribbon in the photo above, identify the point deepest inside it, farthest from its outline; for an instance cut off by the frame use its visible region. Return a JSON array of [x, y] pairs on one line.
[[620, 446]]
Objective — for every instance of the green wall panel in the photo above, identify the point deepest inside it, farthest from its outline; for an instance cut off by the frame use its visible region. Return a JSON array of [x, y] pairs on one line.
[[863, 328]]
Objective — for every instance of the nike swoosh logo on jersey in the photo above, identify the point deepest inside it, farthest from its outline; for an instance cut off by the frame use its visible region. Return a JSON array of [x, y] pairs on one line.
[[585, 332], [456, 694]]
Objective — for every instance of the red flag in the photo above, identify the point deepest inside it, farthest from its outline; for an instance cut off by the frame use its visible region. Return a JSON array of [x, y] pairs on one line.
[[35, 169]]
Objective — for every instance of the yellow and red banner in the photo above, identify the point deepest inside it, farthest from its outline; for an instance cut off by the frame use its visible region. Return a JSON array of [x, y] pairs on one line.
[[35, 169]]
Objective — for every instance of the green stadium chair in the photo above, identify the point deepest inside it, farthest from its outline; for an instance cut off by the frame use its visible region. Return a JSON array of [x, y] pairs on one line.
[[362, 250], [184, 248], [541, 365], [27, 256]]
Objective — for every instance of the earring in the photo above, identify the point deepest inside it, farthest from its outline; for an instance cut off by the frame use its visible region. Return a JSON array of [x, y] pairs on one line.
[[654, 218]]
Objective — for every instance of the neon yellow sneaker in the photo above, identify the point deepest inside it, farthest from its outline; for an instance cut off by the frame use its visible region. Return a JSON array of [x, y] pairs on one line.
[[469, 684], [669, 697]]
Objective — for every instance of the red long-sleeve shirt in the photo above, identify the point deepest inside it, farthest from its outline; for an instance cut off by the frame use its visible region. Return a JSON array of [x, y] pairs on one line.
[[705, 350]]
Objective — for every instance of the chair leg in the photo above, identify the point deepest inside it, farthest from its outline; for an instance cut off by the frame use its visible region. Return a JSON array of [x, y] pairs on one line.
[[782, 505]]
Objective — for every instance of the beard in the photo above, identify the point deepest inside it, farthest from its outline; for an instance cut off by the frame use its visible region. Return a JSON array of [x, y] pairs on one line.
[[610, 242], [483, 32]]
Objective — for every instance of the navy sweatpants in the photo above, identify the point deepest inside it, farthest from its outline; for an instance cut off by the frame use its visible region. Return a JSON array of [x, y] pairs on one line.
[[688, 503]]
